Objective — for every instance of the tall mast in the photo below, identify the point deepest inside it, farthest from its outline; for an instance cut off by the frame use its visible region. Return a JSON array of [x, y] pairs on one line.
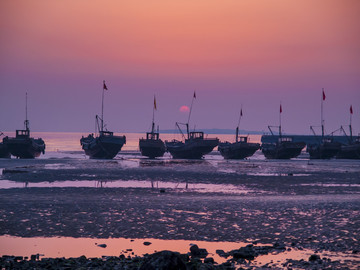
[[187, 124], [237, 128], [26, 116], [280, 112], [322, 117], [102, 106], [350, 126], [153, 118]]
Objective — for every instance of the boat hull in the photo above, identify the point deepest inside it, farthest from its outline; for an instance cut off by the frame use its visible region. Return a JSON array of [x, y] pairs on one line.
[[237, 150], [4, 151], [324, 150], [152, 148], [102, 147], [351, 151], [282, 150], [191, 149], [25, 147]]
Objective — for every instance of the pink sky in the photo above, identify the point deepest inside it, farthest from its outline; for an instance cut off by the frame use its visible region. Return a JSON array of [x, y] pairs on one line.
[[254, 53]]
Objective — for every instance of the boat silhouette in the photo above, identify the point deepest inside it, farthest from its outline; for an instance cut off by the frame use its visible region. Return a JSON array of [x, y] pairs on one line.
[[4, 150], [104, 145], [239, 149], [22, 145], [352, 149], [284, 147], [152, 146], [325, 148], [194, 146]]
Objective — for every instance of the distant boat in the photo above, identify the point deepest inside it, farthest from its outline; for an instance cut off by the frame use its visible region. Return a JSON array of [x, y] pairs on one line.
[[326, 148], [352, 149], [23, 146], [105, 145], [284, 148], [241, 148], [152, 146], [195, 146], [4, 151]]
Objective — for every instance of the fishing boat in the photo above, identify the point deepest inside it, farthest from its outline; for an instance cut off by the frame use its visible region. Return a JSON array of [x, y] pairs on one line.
[[4, 151], [326, 147], [22, 145], [352, 149], [103, 145], [284, 147], [194, 146], [152, 146], [241, 148]]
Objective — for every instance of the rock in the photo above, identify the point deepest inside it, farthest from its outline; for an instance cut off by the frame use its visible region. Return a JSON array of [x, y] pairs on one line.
[[162, 190], [247, 253], [221, 253], [198, 252], [163, 260], [33, 257], [147, 243], [314, 257], [102, 245], [209, 260]]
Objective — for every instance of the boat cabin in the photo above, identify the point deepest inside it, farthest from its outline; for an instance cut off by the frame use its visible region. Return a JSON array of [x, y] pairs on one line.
[[242, 139], [285, 139], [22, 133], [106, 133], [196, 135], [152, 136]]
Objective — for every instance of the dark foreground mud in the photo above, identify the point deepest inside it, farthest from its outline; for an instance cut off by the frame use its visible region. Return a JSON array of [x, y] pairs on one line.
[[285, 205]]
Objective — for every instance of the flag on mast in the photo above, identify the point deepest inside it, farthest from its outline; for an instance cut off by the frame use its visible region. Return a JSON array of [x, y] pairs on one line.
[[280, 108], [155, 103], [194, 94], [323, 94], [104, 86], [241, 114], [351, 110]]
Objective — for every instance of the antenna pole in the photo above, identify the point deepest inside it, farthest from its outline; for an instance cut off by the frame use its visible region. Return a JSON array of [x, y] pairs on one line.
[[102, 108], [153, 117], [350, 125], [322, 117], [237, 128], [280, 120], [26, 115], [192, 101]]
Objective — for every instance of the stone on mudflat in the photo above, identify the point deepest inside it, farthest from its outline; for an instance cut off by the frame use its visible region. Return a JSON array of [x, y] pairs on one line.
[[198, 252], [163, 260], [314, 257], [209, 260]]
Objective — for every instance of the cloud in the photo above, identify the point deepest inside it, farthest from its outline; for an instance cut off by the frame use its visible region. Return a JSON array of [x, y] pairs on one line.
[[184, 109]]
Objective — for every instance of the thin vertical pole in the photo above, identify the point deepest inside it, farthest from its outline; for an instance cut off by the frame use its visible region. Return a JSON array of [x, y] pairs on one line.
[[187, 125], [280, 111], [102, 108], [26, 115], [153, 118], [350, 125], [322, 118]]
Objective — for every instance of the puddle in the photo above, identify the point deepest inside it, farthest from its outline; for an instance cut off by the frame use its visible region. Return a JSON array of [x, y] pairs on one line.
[[55, 247], [197, 187]]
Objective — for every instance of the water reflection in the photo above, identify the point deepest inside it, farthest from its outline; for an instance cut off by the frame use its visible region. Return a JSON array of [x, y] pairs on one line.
[[176, 186]]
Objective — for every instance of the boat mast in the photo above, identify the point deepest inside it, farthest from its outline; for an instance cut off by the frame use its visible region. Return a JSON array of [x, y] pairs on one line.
[[102, 106], [153, 118], [350, 126], [280, 112], [26, 122], [322, 117], [187, 124], [237, 128]]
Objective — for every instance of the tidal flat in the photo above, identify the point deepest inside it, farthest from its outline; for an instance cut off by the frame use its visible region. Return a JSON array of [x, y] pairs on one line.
[[293, 209]]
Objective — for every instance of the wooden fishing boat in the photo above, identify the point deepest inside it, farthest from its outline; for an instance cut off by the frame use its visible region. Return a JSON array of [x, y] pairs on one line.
[[194, 146], [239, 149], [284, 147], [152, 146], [325, 148], [104, 145], [22, 145]]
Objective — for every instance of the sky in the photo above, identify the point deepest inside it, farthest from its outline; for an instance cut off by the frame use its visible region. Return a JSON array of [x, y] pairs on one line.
[[253, 54]]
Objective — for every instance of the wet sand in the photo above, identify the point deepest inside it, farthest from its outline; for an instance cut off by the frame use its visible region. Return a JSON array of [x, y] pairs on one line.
[[299, 204]]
